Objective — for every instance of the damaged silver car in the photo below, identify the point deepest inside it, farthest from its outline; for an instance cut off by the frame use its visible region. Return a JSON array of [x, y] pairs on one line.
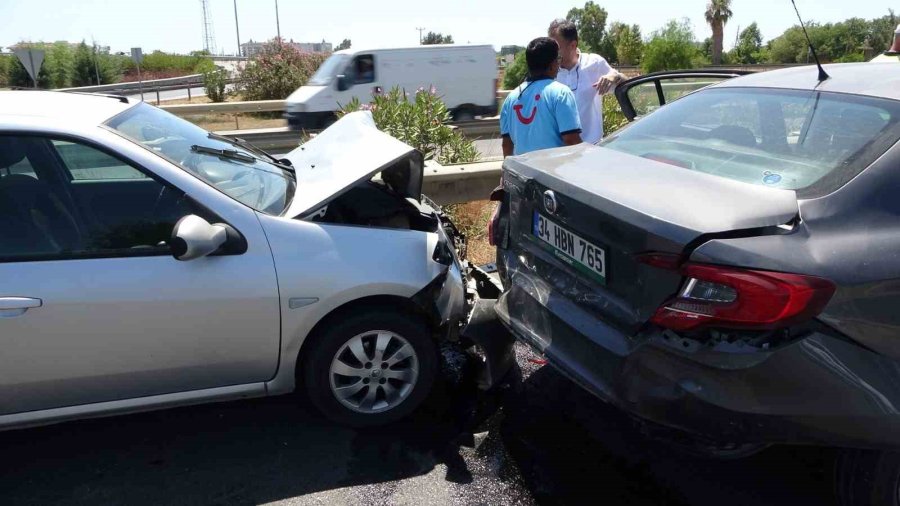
[[147, 263]]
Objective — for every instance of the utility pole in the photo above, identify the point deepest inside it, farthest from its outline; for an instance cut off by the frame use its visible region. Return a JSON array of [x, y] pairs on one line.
[[237, 29], [277, 22], [420, 34]]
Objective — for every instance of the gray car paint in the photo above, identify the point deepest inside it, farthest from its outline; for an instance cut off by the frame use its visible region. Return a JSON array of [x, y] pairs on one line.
[[834, 381]]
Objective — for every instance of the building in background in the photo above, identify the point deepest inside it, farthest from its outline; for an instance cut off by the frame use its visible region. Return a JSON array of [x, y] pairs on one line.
[[253, 48]]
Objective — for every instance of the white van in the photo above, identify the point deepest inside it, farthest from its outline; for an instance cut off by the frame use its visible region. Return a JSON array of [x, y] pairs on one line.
[[464, 76]]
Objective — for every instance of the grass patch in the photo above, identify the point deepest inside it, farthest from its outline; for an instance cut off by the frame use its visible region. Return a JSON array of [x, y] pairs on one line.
[[471, 218]]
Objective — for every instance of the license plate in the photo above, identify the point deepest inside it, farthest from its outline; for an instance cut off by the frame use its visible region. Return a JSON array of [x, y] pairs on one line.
[[570, 248]]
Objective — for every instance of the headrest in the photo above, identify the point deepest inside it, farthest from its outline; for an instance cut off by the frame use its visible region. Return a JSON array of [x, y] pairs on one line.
[[11, 151]]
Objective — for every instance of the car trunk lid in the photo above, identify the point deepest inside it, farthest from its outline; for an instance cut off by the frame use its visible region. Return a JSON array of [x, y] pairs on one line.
[[626, 206]]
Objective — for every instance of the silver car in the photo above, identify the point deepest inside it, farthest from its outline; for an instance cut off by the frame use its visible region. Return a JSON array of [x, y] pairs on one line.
[[147, 263]]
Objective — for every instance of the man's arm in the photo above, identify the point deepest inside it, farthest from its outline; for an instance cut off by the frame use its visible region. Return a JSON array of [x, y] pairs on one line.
[[609, 81], [572, 138], [508, 146]]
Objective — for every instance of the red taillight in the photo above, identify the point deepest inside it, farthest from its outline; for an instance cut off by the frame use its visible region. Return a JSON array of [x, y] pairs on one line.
[[727, 297], [492, 226]]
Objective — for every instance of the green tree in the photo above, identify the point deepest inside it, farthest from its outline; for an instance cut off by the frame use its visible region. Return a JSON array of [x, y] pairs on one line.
[[5, 61], [629, 45], [88, 63], [749, 45], [671, 47], [516, 72], [436, 38], [591, 23], [718, 12], [345, 44]]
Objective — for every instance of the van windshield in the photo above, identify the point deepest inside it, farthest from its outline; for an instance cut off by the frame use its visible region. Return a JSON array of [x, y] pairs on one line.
[[329, 69]]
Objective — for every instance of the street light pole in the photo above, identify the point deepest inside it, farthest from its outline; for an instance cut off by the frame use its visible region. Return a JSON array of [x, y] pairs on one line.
[[237, 29], [420, 34], [277, 21]]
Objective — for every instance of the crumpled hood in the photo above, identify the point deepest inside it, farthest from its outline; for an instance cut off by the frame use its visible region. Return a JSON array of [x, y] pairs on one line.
[[346, 153]]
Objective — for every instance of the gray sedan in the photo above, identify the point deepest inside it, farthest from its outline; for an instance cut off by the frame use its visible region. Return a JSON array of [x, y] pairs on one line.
[[725, 268]]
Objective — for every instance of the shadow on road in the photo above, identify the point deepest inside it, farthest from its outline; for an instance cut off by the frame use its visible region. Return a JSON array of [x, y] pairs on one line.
[[551, 442], [570, 447]]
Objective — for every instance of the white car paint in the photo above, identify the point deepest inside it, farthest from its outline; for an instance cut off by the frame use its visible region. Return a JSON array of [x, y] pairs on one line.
[[116, 335]]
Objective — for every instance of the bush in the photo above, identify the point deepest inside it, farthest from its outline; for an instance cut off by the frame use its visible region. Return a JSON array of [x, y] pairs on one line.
[[613, 119], [277, 71], [5, 62], [214, 83], [421, 123], [670, 48], [515, 73], [88, 64]]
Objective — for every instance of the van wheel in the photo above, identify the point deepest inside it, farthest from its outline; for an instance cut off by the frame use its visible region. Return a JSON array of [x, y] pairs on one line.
[[463, 114], [867, 478], [372, 368], [327, 122]]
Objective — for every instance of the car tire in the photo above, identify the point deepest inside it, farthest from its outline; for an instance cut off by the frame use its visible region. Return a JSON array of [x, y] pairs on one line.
[[867, 478], [348, 399], [463, 114]]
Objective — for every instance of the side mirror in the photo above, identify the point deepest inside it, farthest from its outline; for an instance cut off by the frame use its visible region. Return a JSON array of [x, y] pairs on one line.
[[343, 83], [193, 237]]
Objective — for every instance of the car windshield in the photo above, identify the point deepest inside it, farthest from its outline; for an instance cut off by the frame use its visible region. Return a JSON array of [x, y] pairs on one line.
[[789, 139], [328, 70], [241, 173]]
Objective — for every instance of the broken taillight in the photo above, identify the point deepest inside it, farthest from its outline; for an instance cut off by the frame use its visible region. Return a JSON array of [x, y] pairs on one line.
[[493, 225], [729, 297]]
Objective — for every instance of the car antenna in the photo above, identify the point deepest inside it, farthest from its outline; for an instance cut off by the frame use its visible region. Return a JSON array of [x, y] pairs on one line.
[[822, 74]]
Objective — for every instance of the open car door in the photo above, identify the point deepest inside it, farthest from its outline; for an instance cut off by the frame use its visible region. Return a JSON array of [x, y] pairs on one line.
[[644, 94]]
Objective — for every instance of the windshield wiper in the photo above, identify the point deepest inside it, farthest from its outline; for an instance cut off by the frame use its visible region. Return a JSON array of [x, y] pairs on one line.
[[224, 153], [241, 143]]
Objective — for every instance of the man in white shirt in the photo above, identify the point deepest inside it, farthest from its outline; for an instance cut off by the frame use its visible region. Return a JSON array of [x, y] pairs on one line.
[[588, 75]]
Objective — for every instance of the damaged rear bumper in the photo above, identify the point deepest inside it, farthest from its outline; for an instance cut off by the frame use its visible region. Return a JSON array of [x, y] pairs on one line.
[[817, 390]]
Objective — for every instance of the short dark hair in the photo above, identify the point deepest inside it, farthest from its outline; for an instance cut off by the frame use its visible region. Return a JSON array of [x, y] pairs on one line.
[[540, 55], [565, 28]]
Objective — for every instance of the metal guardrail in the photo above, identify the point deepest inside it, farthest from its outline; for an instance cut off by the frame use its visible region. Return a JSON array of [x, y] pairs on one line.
[[283, 139], [179, 82], [225, 107]]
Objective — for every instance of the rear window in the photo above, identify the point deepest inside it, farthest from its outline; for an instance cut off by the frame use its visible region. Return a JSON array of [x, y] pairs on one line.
[[809, 141]]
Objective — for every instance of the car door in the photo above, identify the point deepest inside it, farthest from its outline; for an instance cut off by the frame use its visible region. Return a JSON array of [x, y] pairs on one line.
[[93, 306], [644, 94]]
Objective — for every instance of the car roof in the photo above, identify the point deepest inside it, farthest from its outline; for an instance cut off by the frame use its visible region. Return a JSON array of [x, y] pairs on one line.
[[870, 79], [80, 107]]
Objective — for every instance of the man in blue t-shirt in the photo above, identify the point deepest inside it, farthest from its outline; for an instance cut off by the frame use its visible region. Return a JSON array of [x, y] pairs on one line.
[[541, 113]]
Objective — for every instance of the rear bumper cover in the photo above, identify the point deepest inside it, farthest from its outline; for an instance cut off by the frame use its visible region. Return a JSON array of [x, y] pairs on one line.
[[818, 390]]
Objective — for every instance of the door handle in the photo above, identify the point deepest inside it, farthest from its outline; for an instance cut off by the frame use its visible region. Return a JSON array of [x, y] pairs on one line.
[[11, 307]]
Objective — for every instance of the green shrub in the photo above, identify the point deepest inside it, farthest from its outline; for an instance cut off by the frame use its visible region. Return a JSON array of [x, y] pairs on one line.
[[214, 83], [420, 122], [277, 71], [158, 61], [5, 61], [88, 66], [515, 72], [613, 119]]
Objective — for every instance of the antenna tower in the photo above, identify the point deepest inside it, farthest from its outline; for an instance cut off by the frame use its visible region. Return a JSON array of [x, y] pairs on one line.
[[209, 35]]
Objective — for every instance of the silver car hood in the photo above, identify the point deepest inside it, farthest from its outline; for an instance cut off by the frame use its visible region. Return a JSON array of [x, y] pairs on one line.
[[348, 152]]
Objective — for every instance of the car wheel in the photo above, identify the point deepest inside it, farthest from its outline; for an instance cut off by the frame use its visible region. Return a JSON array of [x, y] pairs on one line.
[[868, 478], [372, 368], [463, 115], [327, 122]]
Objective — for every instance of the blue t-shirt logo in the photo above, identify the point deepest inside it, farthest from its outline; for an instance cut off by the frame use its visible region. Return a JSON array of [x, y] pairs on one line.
[[523, 119]]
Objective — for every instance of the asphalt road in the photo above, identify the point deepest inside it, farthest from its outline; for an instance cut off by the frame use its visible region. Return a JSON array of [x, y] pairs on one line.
[[549, 443]]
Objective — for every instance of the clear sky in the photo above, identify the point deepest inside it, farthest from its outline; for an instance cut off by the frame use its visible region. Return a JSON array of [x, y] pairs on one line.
[[176, 25]]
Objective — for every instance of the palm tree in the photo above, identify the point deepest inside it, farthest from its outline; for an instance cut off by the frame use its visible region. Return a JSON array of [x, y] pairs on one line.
[[718, 12]]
